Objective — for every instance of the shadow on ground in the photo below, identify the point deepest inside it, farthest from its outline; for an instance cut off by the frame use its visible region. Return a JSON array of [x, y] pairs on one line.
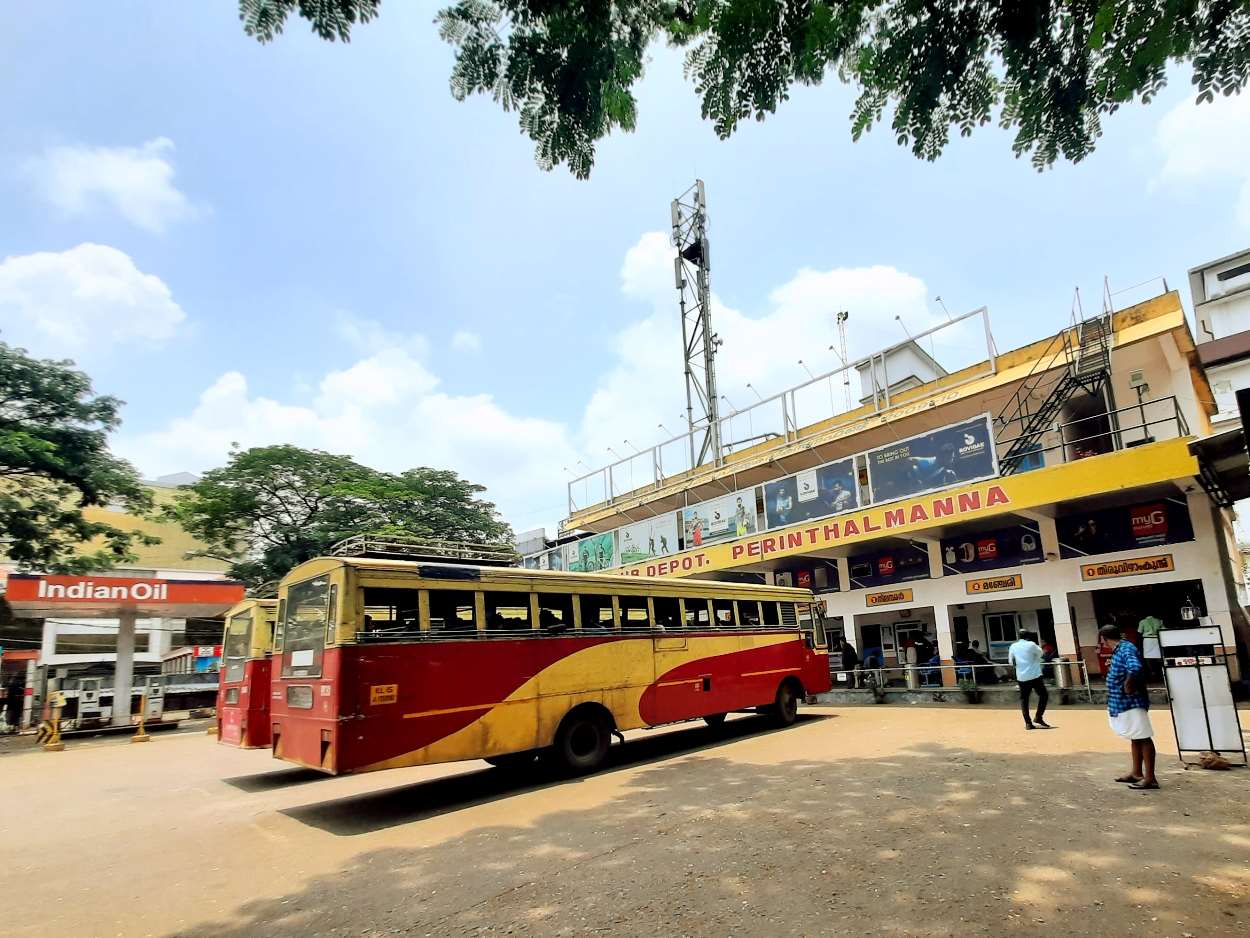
[[933, 841], [362, 814]]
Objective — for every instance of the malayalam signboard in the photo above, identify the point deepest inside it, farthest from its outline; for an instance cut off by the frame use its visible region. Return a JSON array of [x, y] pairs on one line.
[[953, 455], [646, 540], [813, 493], [1133, 567], [719, 519], [994, 584]]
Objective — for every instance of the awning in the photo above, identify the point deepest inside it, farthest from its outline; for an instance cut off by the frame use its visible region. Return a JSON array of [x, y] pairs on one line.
[[1223, 465]]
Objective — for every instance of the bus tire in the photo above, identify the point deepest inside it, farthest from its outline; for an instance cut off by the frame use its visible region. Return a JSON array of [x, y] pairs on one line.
[[513, 760], [715, 719], [785, 708], [582, 741]]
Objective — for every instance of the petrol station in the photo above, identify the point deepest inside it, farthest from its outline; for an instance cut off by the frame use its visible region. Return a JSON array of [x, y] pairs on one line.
[[111, 609]]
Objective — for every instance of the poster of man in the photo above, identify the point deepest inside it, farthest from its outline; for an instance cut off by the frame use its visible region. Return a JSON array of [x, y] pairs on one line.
[[953, 455], [719, 519], [813, 493], [646, 540]]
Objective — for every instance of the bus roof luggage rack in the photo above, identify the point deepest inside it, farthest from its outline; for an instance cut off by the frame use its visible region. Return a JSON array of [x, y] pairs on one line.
[[438, 550]]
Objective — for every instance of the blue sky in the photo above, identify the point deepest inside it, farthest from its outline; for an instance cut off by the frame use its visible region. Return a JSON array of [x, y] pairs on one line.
[[268, 243]]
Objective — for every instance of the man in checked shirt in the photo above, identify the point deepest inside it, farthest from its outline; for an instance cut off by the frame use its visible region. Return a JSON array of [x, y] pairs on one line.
[[1128, 707]]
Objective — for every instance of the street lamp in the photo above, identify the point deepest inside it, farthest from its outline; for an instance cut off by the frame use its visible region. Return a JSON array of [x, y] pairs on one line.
[[729, 402], [808, 370], [755, 392]]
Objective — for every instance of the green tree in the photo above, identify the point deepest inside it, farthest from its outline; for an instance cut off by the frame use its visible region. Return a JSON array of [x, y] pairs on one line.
[[273, 507], [54, 462], [1047, 70]]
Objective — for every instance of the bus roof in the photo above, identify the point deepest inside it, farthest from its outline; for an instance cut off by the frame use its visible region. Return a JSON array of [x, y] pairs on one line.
[[250, 603], [470, 572]]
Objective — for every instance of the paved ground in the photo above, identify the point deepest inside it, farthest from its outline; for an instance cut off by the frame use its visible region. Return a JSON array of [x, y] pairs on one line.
[[858, 821]]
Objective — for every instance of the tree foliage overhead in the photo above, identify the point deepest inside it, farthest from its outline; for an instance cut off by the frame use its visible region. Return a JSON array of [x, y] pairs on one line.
[[54, 462], [1047, 70], [273, 507]]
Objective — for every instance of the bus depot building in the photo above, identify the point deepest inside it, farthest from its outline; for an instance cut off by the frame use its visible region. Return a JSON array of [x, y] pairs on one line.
[[1053, 488]]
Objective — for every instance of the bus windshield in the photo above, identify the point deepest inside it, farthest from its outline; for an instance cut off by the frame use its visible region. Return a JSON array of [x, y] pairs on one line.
[[303, 639], [235, 647]]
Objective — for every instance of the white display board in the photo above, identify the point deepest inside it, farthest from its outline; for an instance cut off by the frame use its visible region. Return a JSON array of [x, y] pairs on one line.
[[1203, 712]]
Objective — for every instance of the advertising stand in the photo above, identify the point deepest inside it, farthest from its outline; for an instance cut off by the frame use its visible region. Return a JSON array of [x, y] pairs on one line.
[[1200, 693]]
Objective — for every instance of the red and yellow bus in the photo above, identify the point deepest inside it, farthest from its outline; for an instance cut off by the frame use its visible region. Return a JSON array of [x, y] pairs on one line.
[[386, 663], [243, 693]]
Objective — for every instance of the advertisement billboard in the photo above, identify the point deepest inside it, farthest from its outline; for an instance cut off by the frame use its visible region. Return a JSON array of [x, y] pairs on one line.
[[813, 493], [646, 540], [597, 552], [719, 519], [953, 455]]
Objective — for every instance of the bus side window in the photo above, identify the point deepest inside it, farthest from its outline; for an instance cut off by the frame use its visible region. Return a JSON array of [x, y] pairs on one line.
[[597, 612], [723, 610], [697, 615], [748, 613], [555, 612], [771, 616], [788, 616], [390, 610], [667, 613], [507, 612], [634, 617], [451, 611]]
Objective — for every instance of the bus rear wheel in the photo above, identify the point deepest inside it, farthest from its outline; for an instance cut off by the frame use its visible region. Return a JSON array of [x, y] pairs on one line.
[[581, 744], [715, 719], [785, 708], [513, 760]]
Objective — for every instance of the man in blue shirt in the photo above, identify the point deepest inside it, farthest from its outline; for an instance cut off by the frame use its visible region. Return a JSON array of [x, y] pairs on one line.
[[1026, 655], [1128, 707]]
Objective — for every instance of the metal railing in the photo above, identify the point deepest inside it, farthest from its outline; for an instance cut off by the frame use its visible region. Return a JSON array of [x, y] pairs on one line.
[[779, 417], [1136, 424], [408, 547], [930, 677]]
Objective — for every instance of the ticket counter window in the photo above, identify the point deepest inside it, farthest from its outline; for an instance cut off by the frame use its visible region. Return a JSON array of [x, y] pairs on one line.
[[1003, 628]]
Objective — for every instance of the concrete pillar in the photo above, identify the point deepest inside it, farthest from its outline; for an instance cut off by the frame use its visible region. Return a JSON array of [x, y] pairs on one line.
[[1215, 577], [123, 674], [934, 549], [844, 574], [28, 704], [945, 640], [1065, 632]]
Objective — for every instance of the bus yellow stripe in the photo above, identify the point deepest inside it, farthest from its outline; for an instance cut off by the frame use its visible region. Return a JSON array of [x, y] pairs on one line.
[[439, 713], [697, 680], [773, 671]]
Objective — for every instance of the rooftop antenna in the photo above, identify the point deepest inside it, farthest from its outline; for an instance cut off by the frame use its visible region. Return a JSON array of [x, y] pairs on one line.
[[699, 343], [906, 331], [938, 300]]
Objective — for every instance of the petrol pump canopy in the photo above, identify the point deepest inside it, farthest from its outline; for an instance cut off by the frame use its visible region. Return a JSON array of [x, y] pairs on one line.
[[33, 596]]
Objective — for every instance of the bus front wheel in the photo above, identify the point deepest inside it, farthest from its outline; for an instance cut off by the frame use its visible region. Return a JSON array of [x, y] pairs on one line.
[[582, 742], [715, 719], [785, 708]]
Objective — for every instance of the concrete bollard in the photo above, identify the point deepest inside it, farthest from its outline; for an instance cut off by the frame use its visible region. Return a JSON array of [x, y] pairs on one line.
[[141, 735]]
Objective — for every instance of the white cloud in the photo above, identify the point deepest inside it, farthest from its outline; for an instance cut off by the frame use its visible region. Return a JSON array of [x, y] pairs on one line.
[[80, 302], [135, 182], [1207, 145], [385, 406], [466, 341]]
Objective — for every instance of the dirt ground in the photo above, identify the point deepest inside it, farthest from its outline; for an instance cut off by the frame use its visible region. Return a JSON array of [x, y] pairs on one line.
[[858, 821]]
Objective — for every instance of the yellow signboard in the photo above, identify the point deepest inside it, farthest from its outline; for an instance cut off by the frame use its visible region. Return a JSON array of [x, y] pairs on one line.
[[1160, 563], [888, 597], [383, 694], [1142, 465], [994, 584]]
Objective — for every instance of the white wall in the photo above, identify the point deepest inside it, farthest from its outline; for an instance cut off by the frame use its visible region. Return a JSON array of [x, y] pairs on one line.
[[159, 632]]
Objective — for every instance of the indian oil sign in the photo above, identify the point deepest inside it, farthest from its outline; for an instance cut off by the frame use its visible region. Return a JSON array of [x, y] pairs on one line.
[[112, 591]]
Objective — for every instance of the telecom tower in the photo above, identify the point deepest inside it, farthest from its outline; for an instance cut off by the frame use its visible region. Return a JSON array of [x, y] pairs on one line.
[[699, 342]]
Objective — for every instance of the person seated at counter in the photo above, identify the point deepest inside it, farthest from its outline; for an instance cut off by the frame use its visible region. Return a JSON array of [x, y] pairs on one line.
[[983, 673]]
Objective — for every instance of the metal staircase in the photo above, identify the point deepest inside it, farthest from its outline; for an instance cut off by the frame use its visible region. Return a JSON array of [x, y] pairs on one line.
[[1083, 351]]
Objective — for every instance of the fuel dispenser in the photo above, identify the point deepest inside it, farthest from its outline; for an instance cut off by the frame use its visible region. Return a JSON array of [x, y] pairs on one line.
[[154, 695]]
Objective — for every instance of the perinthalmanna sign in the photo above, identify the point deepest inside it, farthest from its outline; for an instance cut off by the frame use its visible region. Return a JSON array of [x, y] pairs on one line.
[[1142, 465]]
